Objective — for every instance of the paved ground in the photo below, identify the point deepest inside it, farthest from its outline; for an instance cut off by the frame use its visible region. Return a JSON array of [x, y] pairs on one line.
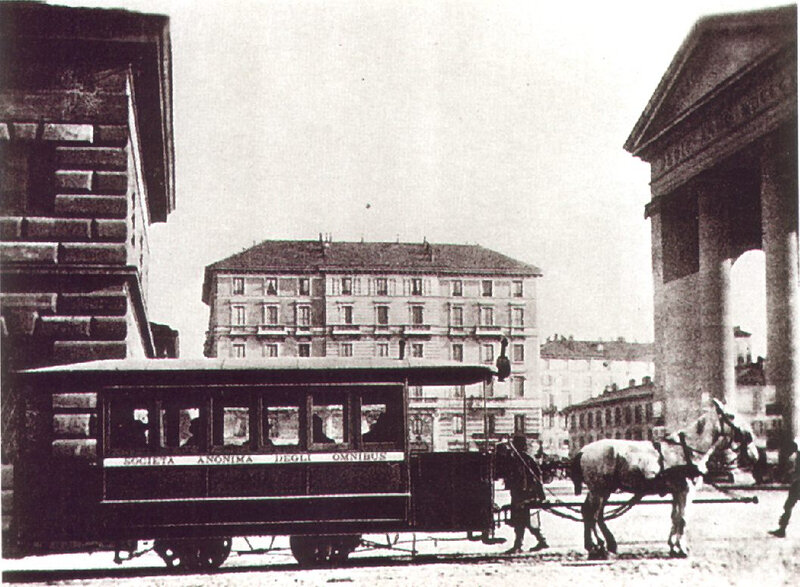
[[729, 546]]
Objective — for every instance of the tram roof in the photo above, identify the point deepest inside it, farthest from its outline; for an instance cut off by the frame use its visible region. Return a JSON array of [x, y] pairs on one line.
[[279, 369]]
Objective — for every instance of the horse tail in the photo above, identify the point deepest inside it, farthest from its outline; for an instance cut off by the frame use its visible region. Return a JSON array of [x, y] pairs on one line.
[[576, 473]]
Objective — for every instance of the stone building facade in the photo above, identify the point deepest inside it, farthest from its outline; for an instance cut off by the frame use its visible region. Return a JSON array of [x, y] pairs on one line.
[[350, 299], [573, 371], [86, 165], [628, 413], [720, 134]]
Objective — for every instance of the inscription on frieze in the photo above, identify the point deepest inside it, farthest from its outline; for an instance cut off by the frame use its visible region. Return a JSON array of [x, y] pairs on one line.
[[716, 120]]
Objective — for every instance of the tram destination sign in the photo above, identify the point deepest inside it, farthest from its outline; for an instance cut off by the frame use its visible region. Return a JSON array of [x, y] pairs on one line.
[[252, 459]]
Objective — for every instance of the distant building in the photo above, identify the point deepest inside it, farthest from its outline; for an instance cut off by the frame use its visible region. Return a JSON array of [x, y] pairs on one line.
[[572, 371], [627, 413], [351, 299]]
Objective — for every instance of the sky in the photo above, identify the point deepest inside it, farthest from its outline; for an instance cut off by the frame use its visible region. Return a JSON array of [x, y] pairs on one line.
[[496, 123]]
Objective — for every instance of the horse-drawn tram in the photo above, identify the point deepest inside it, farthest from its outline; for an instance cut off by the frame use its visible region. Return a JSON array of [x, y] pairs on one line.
[[190, 453]]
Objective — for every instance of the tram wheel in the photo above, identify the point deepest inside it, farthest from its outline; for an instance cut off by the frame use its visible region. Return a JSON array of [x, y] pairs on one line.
[[321, 550], [213, 552]]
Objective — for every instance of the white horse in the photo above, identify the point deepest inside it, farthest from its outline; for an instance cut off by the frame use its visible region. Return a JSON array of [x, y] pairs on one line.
[[645, 467]]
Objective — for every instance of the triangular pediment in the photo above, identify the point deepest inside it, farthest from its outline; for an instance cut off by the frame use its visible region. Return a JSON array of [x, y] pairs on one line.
[[718, 50]]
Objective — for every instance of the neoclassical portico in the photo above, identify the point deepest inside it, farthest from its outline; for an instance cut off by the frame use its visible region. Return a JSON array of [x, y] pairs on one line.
[[720, 134]]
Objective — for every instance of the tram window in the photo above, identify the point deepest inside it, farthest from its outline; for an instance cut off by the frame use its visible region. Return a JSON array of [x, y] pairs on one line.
[[328, 420], [281, 425], [129, 426], [376, 425], [231, 425], [181, 427]]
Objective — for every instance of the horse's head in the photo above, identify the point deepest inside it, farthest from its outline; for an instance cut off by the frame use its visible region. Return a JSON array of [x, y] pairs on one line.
[[736, 433]]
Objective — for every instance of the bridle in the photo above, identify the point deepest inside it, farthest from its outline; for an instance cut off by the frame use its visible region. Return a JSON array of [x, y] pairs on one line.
[[738, 439]]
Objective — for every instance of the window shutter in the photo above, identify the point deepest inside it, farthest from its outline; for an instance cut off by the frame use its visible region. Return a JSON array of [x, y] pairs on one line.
[[392, 287], [356, 286], [426, 287]]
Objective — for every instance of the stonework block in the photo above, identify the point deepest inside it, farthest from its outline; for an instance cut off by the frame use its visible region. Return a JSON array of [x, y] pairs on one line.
[[74, 181], [91, 158], [110, 134], [111, 230], [68, 132], [64, 327], [58, 229], [36, 301], [109, 328], [80, 448], [10, 228], [4, 134], [72, 425], [7, 476], [28, 252], [77, 351], [74, 401], [100, 253], [111, 302], [89, 206], [111, 182], [25, 131]]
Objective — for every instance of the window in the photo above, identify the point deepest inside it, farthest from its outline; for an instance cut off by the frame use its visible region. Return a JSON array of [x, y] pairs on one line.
[[590, 420], [627, 411], [382, 315], [346, 349], [648, 411], [416, 391], [518, 386], [303, 286], [457, 316], [381, 286], [518, 317], [458, 352], [598, 418], [271, 286], [280, 420], [328, 418], [519, 423], [130, 423], [458, 287], [380, 420], [458, 391], [516, 288], [238, 286], [637, 414], [416, 286], [303, 315], [238, 351], [518, 353], [458, 424], [417, 350], [303, 350], [609, 421], [181, 426], [231, 424], [347, 314], [417, 317], [347, 286], [487, 316], [270, 350], [486, 288], [617, 416], [383, 349], [416, 425], [237, 315], [271, 315], [580, 423], [487, 352], [491, 423]]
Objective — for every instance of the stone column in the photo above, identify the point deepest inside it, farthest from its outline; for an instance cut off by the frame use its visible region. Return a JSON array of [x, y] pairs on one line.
[[779, 229], [717, 348]]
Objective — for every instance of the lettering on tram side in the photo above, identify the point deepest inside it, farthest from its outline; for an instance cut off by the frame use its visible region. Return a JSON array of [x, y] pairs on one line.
[[252, 459]]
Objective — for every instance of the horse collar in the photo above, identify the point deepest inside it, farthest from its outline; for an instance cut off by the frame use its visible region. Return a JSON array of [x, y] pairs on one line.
[[687, 450]]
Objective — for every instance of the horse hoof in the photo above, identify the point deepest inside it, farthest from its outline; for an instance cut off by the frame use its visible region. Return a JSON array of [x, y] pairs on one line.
[[678, 554], [598, 555]]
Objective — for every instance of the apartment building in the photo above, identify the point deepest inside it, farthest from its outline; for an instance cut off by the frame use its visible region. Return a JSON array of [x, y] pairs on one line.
[[573, 371], [366, 299]]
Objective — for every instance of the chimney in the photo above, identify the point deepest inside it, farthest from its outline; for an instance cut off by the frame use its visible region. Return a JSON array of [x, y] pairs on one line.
[[646, 380], [631, 383]]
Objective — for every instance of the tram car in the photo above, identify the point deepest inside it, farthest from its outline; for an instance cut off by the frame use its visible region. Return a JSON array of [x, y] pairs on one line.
[[190, 453]]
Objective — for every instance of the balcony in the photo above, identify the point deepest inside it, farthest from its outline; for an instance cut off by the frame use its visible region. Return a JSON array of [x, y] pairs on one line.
[[457, 331], [417, 330], [271, 330], [490, 331], [345, 329]]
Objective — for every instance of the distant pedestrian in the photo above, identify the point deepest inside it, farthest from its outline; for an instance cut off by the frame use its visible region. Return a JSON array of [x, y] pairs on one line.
[[794, 492], [525, 485]]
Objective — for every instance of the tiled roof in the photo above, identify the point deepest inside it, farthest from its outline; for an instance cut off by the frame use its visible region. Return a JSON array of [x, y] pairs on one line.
[[616, 350], [306, 256]]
